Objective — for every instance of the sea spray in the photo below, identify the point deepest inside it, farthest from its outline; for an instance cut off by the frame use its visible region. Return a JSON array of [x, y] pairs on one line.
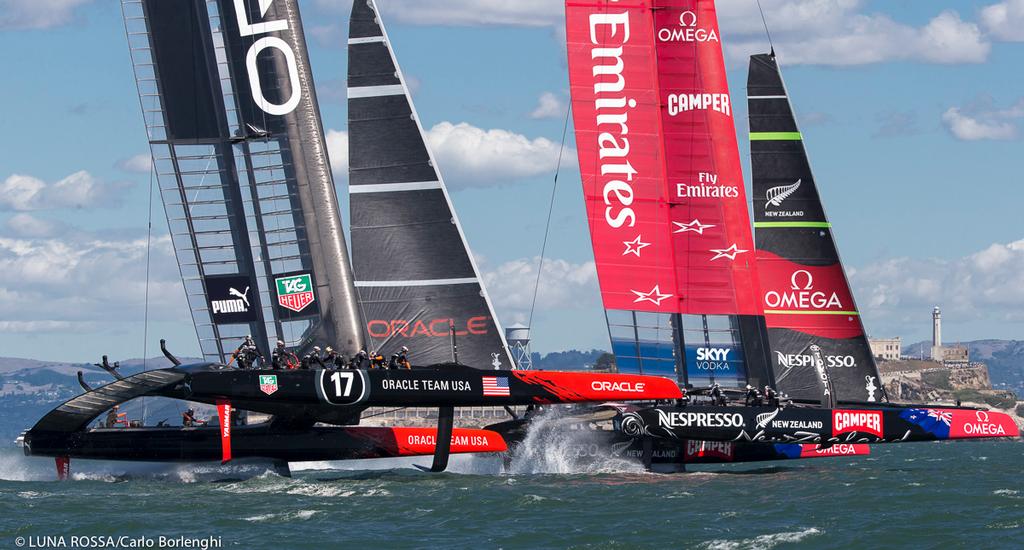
[[552, 446]]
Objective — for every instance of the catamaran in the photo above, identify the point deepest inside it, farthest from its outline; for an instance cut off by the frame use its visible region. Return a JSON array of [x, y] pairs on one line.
[[240, 158], [688, 293]]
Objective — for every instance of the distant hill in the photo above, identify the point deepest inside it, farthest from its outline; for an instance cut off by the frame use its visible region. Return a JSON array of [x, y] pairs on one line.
[[30, 388], [1005, 360], [566, 360]]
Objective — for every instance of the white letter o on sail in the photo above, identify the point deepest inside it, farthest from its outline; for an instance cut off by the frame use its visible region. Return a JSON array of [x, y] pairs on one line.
[[254, 76]]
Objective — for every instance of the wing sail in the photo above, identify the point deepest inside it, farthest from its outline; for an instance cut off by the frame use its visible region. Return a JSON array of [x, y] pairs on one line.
[[810, 311], [417, 280]]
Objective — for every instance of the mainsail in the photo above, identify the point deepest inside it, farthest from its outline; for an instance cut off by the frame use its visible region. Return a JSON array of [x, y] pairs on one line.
[[664, 190], [235, 135], [418, 283], [811, 315]]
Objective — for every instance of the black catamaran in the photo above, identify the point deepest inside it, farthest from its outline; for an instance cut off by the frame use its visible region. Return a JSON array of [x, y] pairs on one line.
[[239, 153], [687, 293]]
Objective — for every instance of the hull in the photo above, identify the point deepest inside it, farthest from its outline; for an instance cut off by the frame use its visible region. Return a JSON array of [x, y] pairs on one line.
[[815, 425], [593, 437], [260, 441]]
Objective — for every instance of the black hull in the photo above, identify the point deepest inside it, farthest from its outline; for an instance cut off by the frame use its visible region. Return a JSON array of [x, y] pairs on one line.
[[204, 444]]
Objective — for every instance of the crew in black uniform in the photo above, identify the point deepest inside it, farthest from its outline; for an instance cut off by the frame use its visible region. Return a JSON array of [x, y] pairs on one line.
[[753, 398], [400, 359], [281, 358], [247, 355], [334, 360], [361, 360], [716, 395], [377, 360], [770, 396]]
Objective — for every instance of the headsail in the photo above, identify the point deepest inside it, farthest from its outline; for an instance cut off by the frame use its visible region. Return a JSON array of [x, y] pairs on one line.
[[417, 280], [235, 133], [810, 311], [664, 190]]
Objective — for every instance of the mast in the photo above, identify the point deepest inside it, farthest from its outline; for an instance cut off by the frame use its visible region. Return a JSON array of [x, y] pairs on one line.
[[418, 283], [235, 134], [664, 190], [809, 308]]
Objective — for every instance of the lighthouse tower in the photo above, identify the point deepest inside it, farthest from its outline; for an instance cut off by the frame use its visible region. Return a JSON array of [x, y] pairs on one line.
[[937, 334]]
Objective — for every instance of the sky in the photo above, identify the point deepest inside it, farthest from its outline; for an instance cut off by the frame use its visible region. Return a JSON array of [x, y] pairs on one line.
[[912, 113]]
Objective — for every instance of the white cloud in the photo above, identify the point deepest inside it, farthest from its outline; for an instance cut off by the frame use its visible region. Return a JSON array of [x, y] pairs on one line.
[[548, 106], [337, 152], [79, 190], [1005, 20], [85, 278], [829, 33], [473, 157], [983, 121], [563, 285], [27, 225], [141, 163], [986, 285], [37, 14], [469, 156]]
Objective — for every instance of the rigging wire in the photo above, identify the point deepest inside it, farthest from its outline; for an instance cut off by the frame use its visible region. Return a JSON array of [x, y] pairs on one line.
[[149, 249], [766, 31], [551, 208]]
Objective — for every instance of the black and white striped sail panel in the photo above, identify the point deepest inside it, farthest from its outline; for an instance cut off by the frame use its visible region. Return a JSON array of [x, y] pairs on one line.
[[813, 322], [239, 154], [417, 281]]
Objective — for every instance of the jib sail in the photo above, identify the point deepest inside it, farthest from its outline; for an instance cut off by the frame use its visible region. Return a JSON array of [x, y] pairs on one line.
[[235, 134], [664, 190], [811, 315], [417, 280]]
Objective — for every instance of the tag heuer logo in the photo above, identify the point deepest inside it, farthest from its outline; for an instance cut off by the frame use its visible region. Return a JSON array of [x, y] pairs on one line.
[[295, 293], [268, 383]]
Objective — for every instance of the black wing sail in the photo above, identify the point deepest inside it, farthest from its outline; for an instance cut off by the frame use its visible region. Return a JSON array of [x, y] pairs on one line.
[[809, 308], [416, 277], [235, 134]]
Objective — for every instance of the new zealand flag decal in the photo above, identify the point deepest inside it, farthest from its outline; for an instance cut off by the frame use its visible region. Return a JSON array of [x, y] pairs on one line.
[[933, 421]]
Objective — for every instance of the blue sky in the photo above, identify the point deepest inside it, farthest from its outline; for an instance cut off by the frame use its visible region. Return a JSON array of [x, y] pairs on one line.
[[911, 112]]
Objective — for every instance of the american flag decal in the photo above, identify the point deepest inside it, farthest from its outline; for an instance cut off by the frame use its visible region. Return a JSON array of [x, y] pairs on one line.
[[496, 386]]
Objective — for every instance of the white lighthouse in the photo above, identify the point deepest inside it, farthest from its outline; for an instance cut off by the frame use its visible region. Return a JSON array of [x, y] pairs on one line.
[[937, 354]]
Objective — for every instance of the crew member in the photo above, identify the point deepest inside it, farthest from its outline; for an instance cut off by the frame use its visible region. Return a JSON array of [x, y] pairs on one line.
[[247, 354], [400, 359], [112, 416], [361, 360], [377, 360], [334, 360], [188, 418], [716, 395], [753, 398], [281, 358], [770, 396], [316, 357]]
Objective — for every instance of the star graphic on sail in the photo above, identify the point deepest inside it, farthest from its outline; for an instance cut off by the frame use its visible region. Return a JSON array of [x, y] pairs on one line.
[[729, 253], [694, 226], [654, 296], [635, 246]]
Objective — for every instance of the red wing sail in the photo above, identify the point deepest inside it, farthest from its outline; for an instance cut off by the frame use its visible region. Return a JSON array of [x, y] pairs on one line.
[[664, 190], [658, 157]]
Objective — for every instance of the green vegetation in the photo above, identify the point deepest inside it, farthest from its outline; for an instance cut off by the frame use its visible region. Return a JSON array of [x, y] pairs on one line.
[[937, 379], [998, 400]]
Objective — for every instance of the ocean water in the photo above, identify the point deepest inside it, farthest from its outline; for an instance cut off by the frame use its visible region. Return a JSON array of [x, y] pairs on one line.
[[926, 495]]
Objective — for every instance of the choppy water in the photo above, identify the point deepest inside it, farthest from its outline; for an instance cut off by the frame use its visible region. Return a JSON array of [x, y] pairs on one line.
[[929, 495]]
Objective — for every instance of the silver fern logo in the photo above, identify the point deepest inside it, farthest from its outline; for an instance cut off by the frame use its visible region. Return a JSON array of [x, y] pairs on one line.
[[764, 418], [776, 195]]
